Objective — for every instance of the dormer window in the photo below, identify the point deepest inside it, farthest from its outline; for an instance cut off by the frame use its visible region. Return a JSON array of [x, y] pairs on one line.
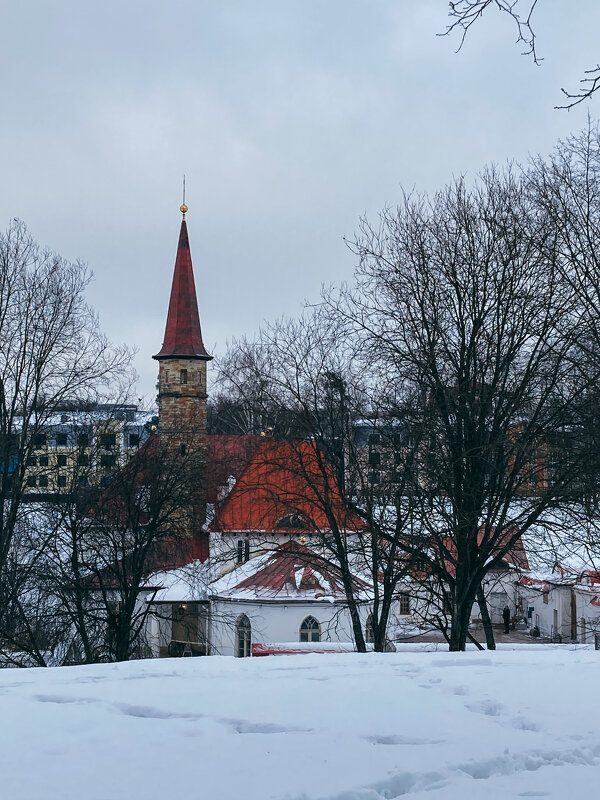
[[291, 522]]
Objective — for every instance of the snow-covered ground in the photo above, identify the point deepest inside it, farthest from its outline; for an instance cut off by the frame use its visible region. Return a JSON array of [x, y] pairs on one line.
[[510, 724]]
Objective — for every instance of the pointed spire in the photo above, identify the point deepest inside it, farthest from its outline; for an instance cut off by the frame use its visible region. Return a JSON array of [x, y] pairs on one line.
[[183, 337]]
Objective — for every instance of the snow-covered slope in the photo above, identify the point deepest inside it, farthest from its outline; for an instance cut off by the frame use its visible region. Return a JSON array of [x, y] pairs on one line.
[[510, 724]]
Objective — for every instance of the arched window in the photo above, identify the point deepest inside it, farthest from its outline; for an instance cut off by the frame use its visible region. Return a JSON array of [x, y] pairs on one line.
[[369, 635], [292, 522], [310, 630], [243, 636]]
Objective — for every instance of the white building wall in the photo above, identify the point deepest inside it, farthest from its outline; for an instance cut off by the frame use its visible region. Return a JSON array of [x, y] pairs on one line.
[[277, 622], [552, 618]]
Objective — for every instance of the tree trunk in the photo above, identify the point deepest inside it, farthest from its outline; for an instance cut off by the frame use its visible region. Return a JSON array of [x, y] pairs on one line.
[[485, 618]]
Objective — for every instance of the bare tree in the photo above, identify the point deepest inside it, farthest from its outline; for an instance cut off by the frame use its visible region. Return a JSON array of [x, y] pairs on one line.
[[313, 390], [462, 302], [466, 13], [52, 350], [80, 588]]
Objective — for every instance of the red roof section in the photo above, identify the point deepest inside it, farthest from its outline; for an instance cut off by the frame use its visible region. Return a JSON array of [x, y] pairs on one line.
[[228, 455], [183, 336], [297, 568], [283, 479]]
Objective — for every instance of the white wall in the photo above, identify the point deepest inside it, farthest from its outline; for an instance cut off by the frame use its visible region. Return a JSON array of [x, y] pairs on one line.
[[277, 622], [559, 600]]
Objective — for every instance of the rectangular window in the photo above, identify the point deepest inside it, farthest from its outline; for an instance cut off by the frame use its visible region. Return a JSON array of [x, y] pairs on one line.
[[374, 478], [83, 459], [31, 480], [31, 461], [43, 481], [108, 440], [107, 461], [374, 459], [43, 461], [62, 480], [134, 439], [83, 440], [243, 551], [61, 439], [61, 460], [183, 376], [41, 440], [404, 603]]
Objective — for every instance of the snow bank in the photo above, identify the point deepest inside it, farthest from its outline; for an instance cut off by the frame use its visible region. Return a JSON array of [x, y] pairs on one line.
[[437, 725]]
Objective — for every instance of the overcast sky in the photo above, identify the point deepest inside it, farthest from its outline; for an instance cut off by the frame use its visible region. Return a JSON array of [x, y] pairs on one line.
[[290, 119]]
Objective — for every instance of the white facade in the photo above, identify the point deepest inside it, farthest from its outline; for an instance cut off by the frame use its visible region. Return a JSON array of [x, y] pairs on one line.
[[276, 622]]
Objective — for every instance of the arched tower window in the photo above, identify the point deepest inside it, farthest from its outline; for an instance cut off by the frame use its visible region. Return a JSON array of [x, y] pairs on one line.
[[243, 636], [310, 630]]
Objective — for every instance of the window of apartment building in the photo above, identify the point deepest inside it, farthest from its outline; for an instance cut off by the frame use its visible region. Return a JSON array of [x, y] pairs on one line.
[[108, 440], [61, 460], [107, 461], [183, 376], [83, 440], [403, 603], [374, 459], [374, 438], [41, 440], [420, 564], [43, 461], [31, 480], [62, 481], [134, 439], [31, 461], [43, 481], [61, 439], [83, 459], [82, 481], [374, 477], [243, 551]]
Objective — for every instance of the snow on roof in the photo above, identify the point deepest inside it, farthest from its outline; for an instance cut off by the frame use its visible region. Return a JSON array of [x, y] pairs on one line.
[[182, 585], [292, 572]]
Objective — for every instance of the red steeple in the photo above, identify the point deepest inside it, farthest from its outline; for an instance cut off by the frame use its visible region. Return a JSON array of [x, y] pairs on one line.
[[183, 337]]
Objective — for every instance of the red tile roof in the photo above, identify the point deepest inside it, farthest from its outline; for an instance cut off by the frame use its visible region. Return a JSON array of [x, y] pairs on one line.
[[227, 456], [183, 336], [285, 479]]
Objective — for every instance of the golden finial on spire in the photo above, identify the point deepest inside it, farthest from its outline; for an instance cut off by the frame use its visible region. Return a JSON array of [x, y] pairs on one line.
[[183, 208]]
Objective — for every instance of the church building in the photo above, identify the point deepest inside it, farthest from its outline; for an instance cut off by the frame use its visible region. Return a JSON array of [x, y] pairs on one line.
[[250, 576]]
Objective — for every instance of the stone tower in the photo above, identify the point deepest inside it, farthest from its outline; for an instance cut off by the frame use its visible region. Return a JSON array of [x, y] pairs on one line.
[[183, 357], [182, 378]]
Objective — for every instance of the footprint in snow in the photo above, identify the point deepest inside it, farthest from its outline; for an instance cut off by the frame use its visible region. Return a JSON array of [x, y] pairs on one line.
[[148, 712], [393, 739], [60, 699], [488, 707]]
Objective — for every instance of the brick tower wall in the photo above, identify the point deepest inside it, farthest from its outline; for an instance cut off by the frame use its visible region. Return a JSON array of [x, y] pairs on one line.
[[182, 423]]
